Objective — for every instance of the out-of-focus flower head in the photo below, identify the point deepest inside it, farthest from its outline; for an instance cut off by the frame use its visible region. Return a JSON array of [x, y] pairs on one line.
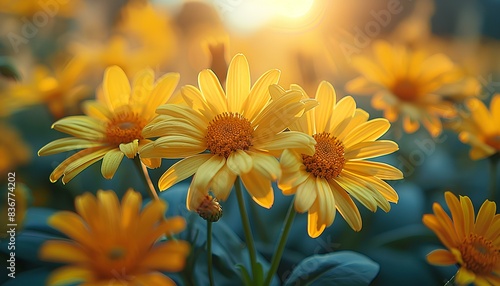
[[113, 124], [14, 152], [472, 242], [480, 127], [408, 84], [61, 90], [325, 181], [114, 243]]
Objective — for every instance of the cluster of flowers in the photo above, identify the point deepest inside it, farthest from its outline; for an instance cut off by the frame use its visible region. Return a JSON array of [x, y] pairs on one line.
[[316, 148]]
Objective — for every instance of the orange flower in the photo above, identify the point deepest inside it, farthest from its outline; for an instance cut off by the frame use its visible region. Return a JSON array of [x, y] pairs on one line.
[[471, 242], [113, 244]]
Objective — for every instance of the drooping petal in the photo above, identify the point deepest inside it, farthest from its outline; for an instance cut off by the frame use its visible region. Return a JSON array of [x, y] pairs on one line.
[[110, 163], [259, 188], [239, 162]]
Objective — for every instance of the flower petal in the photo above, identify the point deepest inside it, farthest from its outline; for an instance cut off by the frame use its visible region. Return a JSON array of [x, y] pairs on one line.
[[441, 257], [259, 95], [116, 87], [306, 195], [259, 187], [239, 162], [211, 89], [182, 170], [130, 149], [223, 182], [69, 275], [162, 91], [237, 83]]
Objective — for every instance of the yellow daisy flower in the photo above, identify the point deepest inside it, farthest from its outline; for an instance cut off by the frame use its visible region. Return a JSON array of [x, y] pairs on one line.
[[112, 126], [326, 180], [472, 242], [407, 84], [480, 128], [241, 128], [114, 244]]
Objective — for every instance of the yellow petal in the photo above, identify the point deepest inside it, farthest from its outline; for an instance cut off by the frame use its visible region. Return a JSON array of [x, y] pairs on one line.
[[169, 256], [152, 278], [110, 163], [378, 169], [365, 150], [63, 251], [259, 95], [130, 207], [130, 149], [314, 227], [297, 141], [222, 183], [81, 126], [67, 144], [441, 257], [69, 275], [343, 113], [116, 87], [207, 171], [162, 91], [237, 83], [327, 99], [97, 110], [306, 195], [141, 89], [73, 226], [182, 170], [368, 131], [464, 276], [457, 213], [211, 89], [173, 147], [239, 162], [485, 217], [266, 165], [346, 206], [327, 210], [259, 187]]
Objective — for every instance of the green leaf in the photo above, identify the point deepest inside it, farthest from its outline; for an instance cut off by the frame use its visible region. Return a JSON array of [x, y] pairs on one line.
[[244, 275], [340, 268], [8, 70]]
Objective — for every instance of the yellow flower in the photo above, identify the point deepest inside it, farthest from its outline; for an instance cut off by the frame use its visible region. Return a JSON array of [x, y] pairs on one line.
[[112, 125], [113, 244], [472, 242], [13, 150], [407, 84], [241, 128], [481, 128], [59, 90], [326, 180]]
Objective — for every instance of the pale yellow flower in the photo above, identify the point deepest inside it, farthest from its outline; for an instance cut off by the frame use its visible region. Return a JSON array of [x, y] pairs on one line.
[[241, 127], [112, 126], [325, 181]]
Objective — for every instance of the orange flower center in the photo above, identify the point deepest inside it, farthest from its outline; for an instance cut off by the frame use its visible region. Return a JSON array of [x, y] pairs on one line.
[[493, 141], [405, 89], [125, 127], [328, 160], [229, 132], [479, 254]]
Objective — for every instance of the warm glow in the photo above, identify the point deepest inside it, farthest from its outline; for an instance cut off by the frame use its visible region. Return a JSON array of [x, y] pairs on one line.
[[251, 15]]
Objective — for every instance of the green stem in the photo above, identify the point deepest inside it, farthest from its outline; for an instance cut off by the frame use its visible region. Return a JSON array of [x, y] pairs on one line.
[[246, 226], [451, 281], [209, 253], [493, 175], [281, 244], [145, 176]]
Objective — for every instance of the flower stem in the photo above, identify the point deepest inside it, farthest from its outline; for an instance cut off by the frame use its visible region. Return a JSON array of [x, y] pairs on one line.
[[209, 253], [451, 281], [281, 244], [145, 175], [246, 226], [493, 175]]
